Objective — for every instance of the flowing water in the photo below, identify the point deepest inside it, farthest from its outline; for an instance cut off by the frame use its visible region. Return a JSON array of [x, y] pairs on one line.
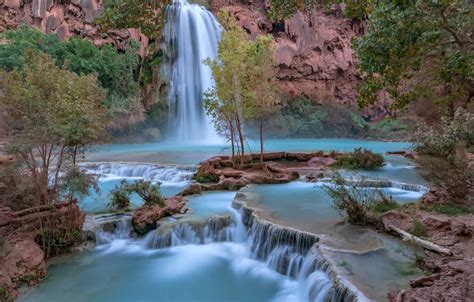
[[190, 37], [218, 259]]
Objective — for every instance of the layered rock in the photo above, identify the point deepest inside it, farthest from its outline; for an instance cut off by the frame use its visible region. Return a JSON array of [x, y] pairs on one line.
[[66, 19], [313, 49]]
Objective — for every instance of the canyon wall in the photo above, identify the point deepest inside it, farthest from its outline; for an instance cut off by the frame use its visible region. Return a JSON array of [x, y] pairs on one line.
[[313, 49]]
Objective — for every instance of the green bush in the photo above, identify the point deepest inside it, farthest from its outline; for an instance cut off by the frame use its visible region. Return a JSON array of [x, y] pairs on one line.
[[147, 191], [360, 159], [356, 200], [384, 205], [418, 228], [452, 209], [198, 177], [443, 155]]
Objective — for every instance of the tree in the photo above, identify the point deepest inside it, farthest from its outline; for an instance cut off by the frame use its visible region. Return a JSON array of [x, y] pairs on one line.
[[283, 9], [262, 91], [148, 15], [225, 102], [148, 192], [50, 117], [418, 50], [116, 71]]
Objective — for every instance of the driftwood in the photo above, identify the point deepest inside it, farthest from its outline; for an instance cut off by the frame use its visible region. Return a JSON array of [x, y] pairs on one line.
[[424, 243]]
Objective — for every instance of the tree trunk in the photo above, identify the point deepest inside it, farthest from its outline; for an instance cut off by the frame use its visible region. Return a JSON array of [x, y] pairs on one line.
[[424, 243], [241, 138], [232, 140]]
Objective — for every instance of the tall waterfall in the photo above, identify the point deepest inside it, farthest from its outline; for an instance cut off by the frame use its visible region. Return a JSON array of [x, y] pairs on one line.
[[191, 35]]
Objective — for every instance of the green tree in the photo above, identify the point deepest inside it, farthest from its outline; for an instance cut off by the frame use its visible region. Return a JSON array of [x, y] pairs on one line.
[[50, 117], [148, 15], [262, 92], [418, 50], [225, 102], [283, 9]]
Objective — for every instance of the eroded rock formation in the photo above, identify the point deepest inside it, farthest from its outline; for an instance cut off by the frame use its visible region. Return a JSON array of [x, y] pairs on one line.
[[22, 260], [66, 19], [145, 218], [313, 49]]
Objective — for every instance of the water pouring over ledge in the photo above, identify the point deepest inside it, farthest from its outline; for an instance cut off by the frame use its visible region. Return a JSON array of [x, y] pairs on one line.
[[191, 35]]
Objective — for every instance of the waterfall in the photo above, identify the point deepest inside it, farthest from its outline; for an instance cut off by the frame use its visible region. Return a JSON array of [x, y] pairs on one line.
[[103, 229], [191, 35], [158, 173]]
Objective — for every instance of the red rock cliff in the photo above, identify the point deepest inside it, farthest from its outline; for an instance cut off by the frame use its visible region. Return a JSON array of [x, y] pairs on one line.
[[313, 49]]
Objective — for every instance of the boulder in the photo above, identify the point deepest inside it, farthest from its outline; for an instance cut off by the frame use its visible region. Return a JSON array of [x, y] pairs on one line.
[[145, 219]]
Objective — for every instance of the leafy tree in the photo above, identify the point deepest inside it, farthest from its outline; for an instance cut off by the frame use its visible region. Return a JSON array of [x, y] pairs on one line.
[[418, 50], [225, 102], [283, 9], [443, 155], [116, 71], [148, 15], [50, 116], [148, 192], [262, 98]]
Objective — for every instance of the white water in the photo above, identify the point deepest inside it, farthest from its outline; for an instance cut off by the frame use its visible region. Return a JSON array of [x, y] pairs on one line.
[[191, 36], [225, 237]]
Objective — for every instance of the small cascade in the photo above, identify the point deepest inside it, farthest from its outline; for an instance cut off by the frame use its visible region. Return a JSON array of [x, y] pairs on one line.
[[385, 183], [191, 35], [103, 229], [164, 174], [295, 254], [190, 231]]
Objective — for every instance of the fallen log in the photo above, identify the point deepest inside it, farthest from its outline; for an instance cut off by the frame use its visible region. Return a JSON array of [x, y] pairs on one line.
[[424, 243]]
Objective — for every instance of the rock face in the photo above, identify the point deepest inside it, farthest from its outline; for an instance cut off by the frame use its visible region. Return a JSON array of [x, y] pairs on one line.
[[145, 218], [313, 49], [66, 19]]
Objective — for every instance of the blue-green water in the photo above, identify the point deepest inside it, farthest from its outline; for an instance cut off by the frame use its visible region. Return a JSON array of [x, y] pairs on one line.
[[181, 153]]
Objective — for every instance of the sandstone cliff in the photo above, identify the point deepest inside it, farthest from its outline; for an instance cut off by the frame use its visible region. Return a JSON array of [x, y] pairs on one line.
[[65, 18], [313, 49]]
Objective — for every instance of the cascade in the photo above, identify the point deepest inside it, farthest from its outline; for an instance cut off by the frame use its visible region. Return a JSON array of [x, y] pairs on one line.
[[191, 35], [163, 174]]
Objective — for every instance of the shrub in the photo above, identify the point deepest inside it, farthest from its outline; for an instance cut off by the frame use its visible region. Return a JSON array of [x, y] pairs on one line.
[[442, 154], [360, 159], [120, 199], [452, 209], [356, 200], [147, 191], [385, 204], [199, 177], [418, 228]]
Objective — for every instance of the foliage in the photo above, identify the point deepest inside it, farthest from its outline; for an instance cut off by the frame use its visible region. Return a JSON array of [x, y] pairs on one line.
[[389, 125], [261, 98], [302, 118], [283, 9], [443, 150], [452, 209], [385, 204], [75, 182], [115, 70], [358, 9], [120, 199], [17, 189], [360, 159], [50, 117], [418, 50], [354, 199], [225, 102], [199, 177], [148, 15], [418, 228], [147, 191]]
